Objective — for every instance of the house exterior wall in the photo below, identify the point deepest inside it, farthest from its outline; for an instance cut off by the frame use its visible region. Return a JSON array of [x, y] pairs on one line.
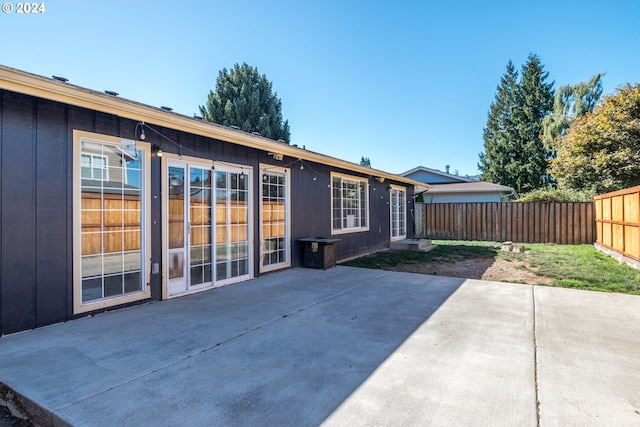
[[36, 203], [462, 197]]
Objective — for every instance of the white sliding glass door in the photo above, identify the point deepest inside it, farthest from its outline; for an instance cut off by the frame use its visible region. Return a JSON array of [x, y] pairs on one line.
[[207, 217], [189, 227], [232, 224]]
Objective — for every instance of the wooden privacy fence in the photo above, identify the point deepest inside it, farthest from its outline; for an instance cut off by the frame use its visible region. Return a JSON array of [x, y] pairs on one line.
[[618, 222], [530, 222]]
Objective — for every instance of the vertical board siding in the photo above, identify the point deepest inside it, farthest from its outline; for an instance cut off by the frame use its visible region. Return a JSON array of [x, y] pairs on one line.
[[1, 198], [36, 200], [617, 217], [533, 222], [18, 180], [52, 227]]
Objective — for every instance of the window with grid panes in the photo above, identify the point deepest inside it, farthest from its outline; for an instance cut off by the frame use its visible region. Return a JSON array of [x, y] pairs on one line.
[[350, 204], [275, 247]]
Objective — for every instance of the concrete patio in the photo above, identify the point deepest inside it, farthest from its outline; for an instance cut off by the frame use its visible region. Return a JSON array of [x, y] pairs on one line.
[[344, 346]]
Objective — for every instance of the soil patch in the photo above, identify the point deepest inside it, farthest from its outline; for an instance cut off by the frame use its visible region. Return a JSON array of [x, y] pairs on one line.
[[497, 270]]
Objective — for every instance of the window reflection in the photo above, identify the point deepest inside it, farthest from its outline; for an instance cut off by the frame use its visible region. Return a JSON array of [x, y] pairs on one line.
[[111, 220]]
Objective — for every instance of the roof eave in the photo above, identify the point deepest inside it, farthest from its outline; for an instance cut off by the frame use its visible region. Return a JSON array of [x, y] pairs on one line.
[[42, 87]]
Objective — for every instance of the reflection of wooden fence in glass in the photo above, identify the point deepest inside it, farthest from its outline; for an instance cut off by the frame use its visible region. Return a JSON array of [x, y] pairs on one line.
[[231, 223], [110, 223], [273, 219], [200, 221], [199, 213], [618, 222], [176, 221]]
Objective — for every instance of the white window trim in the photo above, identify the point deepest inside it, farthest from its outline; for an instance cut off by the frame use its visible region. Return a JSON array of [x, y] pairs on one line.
[[78, 305], [287, 173], [404, 190], [365, 182]]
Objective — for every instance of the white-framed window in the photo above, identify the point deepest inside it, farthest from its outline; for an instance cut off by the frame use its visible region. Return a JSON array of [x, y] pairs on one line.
[[111, 241], [93, 166], [398, 212], [275, 218], [349, 204]]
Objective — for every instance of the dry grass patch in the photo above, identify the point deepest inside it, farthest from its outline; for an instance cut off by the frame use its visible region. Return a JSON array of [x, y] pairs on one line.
[[574, 266]]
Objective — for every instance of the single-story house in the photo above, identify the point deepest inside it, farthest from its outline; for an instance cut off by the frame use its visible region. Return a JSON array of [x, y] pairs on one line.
[[450, 188], [106, 202]]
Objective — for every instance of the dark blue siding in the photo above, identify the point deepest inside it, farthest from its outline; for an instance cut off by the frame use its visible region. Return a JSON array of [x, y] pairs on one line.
[[18, 180], [36, 203]]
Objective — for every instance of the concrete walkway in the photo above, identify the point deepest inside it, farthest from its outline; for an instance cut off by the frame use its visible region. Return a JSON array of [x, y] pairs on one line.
[[339, 347]]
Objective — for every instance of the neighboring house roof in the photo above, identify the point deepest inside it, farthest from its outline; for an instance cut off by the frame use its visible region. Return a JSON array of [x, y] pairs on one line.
[[467, 187], [423, 171], [446, 183], [109, 102]]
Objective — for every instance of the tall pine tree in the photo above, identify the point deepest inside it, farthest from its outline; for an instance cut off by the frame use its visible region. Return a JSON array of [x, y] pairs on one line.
[[514, 153], [244, 98], [500, 133], [536, 99]]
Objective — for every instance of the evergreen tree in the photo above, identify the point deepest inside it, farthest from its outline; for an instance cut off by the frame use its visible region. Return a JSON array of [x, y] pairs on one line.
[[514, 154], [536, 99], [365, 161], [244, 98], [499, 135]]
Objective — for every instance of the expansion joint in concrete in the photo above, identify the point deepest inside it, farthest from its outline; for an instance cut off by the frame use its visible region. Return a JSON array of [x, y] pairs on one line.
[[535, 354]]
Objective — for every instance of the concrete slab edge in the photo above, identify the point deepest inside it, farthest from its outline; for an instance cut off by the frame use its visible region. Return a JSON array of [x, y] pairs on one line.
[[618, 256], [23, 407]]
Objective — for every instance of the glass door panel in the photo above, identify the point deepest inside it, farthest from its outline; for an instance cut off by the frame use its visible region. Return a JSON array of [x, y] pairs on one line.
[[398, 214], [189, 227], [200, 226], [177, 221], [232, 224]]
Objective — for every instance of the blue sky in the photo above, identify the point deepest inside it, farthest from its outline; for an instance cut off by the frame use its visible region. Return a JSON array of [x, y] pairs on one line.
[[405, 83]]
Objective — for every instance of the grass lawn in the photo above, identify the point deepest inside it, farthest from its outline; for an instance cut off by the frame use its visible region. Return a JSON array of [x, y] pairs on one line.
[[570, 266]]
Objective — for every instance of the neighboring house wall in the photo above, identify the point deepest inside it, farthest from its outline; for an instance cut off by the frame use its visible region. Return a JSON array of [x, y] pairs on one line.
[[448, 188], [461, 197], [37, 234]]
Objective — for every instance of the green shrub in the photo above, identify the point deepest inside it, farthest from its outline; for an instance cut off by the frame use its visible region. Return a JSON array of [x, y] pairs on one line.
[[554, 195]]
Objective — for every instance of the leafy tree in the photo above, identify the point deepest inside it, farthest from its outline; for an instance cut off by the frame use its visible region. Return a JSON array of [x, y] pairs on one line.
[[365, 161], [514, 153], [601, 150], [570, 102], [244, 98]]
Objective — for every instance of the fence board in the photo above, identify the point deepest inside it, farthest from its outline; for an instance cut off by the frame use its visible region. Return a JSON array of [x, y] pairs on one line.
[[617, 216], [532, 222]]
